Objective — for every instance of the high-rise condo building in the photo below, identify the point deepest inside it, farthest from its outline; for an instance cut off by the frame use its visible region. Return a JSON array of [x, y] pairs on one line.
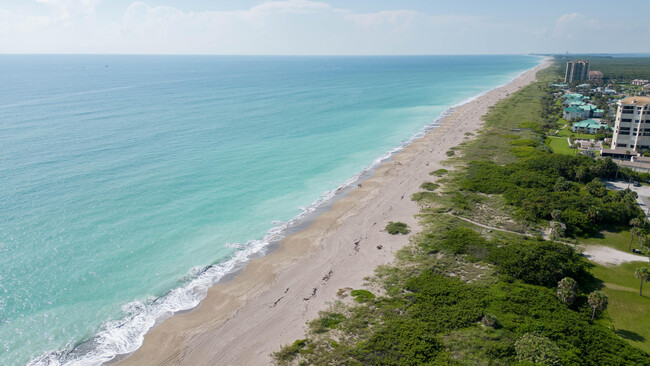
[[632, 127], [576, 71]]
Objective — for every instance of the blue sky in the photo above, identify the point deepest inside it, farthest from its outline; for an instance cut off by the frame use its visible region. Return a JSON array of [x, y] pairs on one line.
[[323, 27]]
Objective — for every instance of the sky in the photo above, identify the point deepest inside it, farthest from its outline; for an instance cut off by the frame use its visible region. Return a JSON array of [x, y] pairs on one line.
[[327, 27]]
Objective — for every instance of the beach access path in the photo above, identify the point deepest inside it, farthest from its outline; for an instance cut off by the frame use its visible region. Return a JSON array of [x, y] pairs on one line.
[[244, 320]]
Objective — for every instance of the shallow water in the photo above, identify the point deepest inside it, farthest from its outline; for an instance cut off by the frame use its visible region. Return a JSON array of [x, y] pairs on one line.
[[128, 184]]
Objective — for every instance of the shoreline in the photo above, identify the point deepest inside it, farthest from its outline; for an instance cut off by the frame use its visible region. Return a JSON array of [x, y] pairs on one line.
[[253, 311]]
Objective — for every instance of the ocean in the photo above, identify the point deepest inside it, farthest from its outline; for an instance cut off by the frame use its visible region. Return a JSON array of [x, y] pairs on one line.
[[130, 184]]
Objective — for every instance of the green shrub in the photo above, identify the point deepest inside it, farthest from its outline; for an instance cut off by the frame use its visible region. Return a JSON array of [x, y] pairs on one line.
[[538, 263], [537, 349], [399, 342], [394, 228], [450, 153], [430, 186], [462, 240], [325, 322], [524, 142], [289, 352], [423, 196], [362, 295], [439, 172], [540, 185]]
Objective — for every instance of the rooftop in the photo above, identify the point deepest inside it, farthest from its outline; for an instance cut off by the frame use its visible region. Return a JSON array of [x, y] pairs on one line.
[[590, 123], [640, 101], [573, 96], [573, 108]]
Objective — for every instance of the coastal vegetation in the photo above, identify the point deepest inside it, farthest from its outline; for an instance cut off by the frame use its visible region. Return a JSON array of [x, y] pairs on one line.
[[439, 172], [394, 228], [430, 186], [498, 293]]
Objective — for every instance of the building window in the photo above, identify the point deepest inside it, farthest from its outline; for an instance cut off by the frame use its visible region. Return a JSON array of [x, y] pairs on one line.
[[622, 145], [624, 133]]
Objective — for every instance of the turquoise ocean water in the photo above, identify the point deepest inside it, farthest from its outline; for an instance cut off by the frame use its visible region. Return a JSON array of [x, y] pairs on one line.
[[129, 184]]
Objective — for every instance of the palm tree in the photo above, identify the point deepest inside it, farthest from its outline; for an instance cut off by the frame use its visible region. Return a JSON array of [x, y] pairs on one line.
[[634, 231], [556, 214], [642, 236], [598, 301], [635, 223], [642, 273], [566, 290], [593, 213]]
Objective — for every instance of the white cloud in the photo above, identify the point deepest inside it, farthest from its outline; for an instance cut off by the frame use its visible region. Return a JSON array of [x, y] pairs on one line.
[[580, 33], [66, 9], [296, 27], [575, 26], [392, 17], [287, 27], [291, 7]]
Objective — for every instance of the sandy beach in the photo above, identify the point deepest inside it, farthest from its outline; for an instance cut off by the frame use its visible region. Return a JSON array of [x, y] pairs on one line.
[[242, 321]]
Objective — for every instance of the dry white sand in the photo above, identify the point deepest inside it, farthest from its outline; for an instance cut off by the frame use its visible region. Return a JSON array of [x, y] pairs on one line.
[[609, 256], [242, 321]]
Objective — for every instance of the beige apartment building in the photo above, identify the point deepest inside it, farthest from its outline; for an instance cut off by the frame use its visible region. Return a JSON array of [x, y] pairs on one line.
[[632, 127], [577, 70]]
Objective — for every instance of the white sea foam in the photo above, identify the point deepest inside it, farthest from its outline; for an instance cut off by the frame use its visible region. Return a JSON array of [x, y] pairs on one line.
[[126, 335]]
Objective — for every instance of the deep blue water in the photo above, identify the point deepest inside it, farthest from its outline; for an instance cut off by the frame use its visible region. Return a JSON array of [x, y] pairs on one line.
[[123, 178]]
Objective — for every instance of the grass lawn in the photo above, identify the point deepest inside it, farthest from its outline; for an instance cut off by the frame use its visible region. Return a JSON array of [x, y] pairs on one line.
[[617, 238], [629, 312], [560, 145], [566, 132]]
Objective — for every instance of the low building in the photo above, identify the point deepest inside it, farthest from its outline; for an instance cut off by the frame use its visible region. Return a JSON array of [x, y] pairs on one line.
[[609, 91], [632, 126], [574, 112], [574, 99], [646, 88], [597, 113], [639, 82], [596, 76], [618, 153], [589, 126], [577, 109], [574, 96]]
